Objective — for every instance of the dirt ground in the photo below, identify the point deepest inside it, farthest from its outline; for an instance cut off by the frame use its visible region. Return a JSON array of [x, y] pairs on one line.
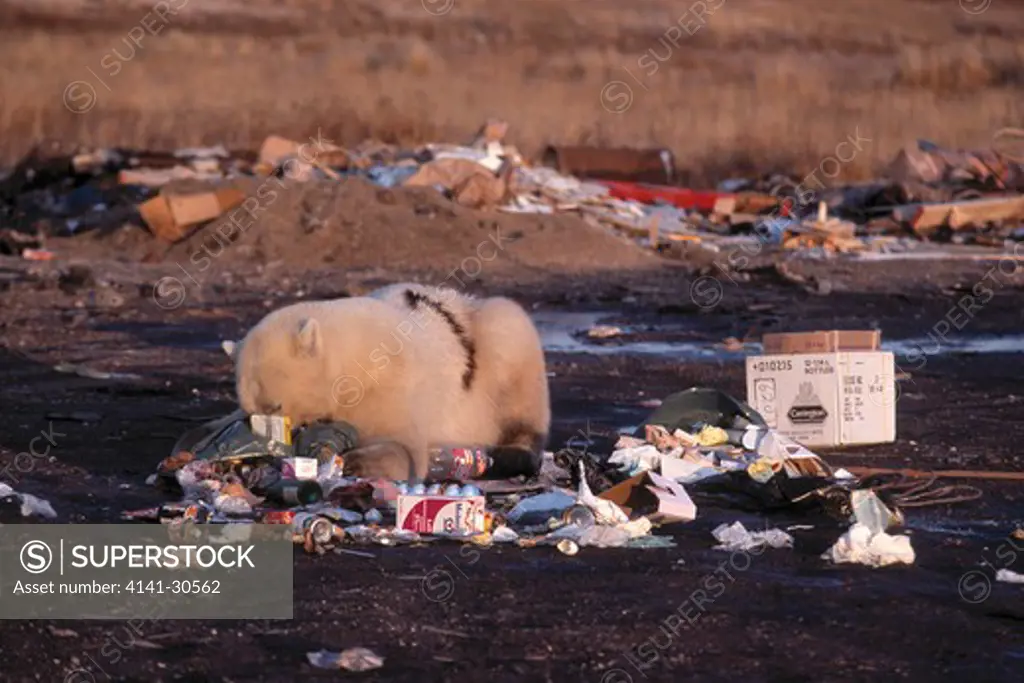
[[511, 614]]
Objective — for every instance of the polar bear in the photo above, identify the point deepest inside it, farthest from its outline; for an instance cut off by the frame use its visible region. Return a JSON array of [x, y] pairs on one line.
[[420, 366]]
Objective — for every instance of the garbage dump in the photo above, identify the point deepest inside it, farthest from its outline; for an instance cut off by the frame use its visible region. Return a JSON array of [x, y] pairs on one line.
[[929, 195]]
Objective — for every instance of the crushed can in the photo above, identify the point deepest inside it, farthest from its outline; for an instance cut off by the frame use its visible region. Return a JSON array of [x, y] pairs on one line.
[[320, 529]]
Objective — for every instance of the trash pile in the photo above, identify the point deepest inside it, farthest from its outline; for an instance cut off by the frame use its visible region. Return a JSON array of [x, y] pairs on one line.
[[699, 444], [930, 194]]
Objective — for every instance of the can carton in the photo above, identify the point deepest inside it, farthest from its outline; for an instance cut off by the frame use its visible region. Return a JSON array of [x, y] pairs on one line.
[[441, 515], [826, 399]]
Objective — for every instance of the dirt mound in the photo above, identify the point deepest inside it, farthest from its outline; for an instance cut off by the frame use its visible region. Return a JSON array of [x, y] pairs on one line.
[[356, 224]]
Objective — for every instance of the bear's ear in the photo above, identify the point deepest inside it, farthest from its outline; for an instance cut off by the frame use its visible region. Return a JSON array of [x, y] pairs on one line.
[[230, 348], [307, 337]]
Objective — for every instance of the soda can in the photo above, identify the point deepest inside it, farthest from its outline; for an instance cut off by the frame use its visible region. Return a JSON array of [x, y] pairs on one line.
[[417, 490], [453, 490], [433, 490], [470, 490], [403, 488], [320, 529]]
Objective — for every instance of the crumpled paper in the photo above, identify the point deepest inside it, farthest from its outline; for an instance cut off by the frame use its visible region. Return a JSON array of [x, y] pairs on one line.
[[353, 659], [605, 511], [736, 537], [1009, 576], [30, 505], [634, 460], [859, 545]]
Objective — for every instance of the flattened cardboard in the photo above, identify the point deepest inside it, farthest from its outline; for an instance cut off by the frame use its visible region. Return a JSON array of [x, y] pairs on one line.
[[822, 341], [651, 494], [189, 209], [156, 213], [170, 215]]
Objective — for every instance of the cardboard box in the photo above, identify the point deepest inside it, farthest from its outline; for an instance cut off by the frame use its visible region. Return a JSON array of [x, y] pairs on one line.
[[821, 341], [651, 494], [169, 216], [441, 515], [826, 399]]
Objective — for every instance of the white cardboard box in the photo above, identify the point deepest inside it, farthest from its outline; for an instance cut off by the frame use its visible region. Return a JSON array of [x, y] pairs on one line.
[[826, 399]]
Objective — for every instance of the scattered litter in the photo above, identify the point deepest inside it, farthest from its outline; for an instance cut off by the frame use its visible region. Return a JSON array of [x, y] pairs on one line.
[[30, 505], [61, 632], [353, 659], [238, 470], [604, 332], [930, 193], [651, 494], [859, 545], [605, 511], [736, 537], [540, 507], [83, 371], [637, 459], [1009, 576], [870, 511], [38, 255]]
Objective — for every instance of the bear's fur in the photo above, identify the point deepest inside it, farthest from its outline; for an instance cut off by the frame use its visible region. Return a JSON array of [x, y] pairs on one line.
[[420, 366]]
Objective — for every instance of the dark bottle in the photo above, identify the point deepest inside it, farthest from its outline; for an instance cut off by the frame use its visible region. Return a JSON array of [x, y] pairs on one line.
[[295, 492]]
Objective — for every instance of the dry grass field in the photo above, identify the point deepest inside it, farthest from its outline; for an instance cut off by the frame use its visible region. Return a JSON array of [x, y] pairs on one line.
[[731, 86]]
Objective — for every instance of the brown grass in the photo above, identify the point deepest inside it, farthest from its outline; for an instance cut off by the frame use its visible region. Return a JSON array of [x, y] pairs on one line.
[[764, 85]]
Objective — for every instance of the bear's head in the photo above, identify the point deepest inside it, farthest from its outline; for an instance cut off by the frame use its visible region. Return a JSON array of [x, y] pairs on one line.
[[276, 366]]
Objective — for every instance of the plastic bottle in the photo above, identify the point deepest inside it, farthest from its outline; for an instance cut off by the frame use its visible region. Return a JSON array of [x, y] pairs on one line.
[[465, 463], [454, 463]]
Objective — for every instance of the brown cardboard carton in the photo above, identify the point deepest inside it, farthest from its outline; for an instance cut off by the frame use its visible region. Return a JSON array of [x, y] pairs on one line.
[[822, 341], [169, 216]]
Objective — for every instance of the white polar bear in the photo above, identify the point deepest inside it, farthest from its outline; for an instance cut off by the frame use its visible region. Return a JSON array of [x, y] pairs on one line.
[[420, 366]]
